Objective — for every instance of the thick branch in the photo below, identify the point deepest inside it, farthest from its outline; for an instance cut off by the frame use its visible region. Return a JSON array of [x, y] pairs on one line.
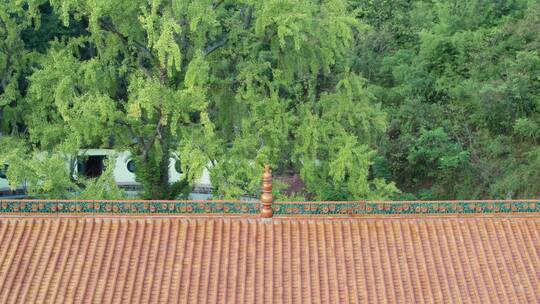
[[5, 78], [247, 17], [111, 28], [216, 44], [217, 4], [148, 144]]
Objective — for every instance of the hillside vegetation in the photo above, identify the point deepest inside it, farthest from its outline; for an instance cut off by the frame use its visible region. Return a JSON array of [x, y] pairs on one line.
[[354, 100]]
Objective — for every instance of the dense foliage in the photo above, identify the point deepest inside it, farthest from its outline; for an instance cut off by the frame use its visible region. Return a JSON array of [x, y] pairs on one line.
[[460, 81], [358, 98]]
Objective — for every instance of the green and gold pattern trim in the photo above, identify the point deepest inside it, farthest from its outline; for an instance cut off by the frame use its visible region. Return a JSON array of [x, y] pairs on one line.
[[280, 208], [129, 207], [405, 208]]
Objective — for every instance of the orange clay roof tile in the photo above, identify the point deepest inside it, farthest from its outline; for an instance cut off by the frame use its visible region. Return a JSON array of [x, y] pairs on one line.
[[474, 259]]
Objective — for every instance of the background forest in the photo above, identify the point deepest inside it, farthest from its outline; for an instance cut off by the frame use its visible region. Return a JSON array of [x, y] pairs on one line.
[[358, 99]]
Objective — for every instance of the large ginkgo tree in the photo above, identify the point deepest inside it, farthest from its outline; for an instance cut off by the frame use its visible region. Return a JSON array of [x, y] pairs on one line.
[[226, 85]]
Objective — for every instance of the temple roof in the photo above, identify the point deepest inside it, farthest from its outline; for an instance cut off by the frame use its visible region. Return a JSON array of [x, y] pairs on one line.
[[195, 252]]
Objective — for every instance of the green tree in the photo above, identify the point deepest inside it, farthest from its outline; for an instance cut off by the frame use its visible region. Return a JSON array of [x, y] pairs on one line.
[[223, 85], [461, 92]]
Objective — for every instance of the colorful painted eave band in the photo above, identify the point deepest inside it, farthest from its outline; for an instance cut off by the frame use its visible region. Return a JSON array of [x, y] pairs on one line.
[[280, 208]]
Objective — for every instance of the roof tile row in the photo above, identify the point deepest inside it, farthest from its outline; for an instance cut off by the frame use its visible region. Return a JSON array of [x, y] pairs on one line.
[[243, 260]]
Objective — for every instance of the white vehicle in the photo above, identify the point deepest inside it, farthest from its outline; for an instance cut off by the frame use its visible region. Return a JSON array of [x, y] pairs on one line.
[[92, 164]]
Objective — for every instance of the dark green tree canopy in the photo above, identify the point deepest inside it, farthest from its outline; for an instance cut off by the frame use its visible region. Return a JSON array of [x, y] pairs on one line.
[[460, 82]]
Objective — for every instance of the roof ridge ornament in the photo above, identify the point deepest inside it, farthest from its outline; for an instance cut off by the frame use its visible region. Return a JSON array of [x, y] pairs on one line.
[[266, 197]]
